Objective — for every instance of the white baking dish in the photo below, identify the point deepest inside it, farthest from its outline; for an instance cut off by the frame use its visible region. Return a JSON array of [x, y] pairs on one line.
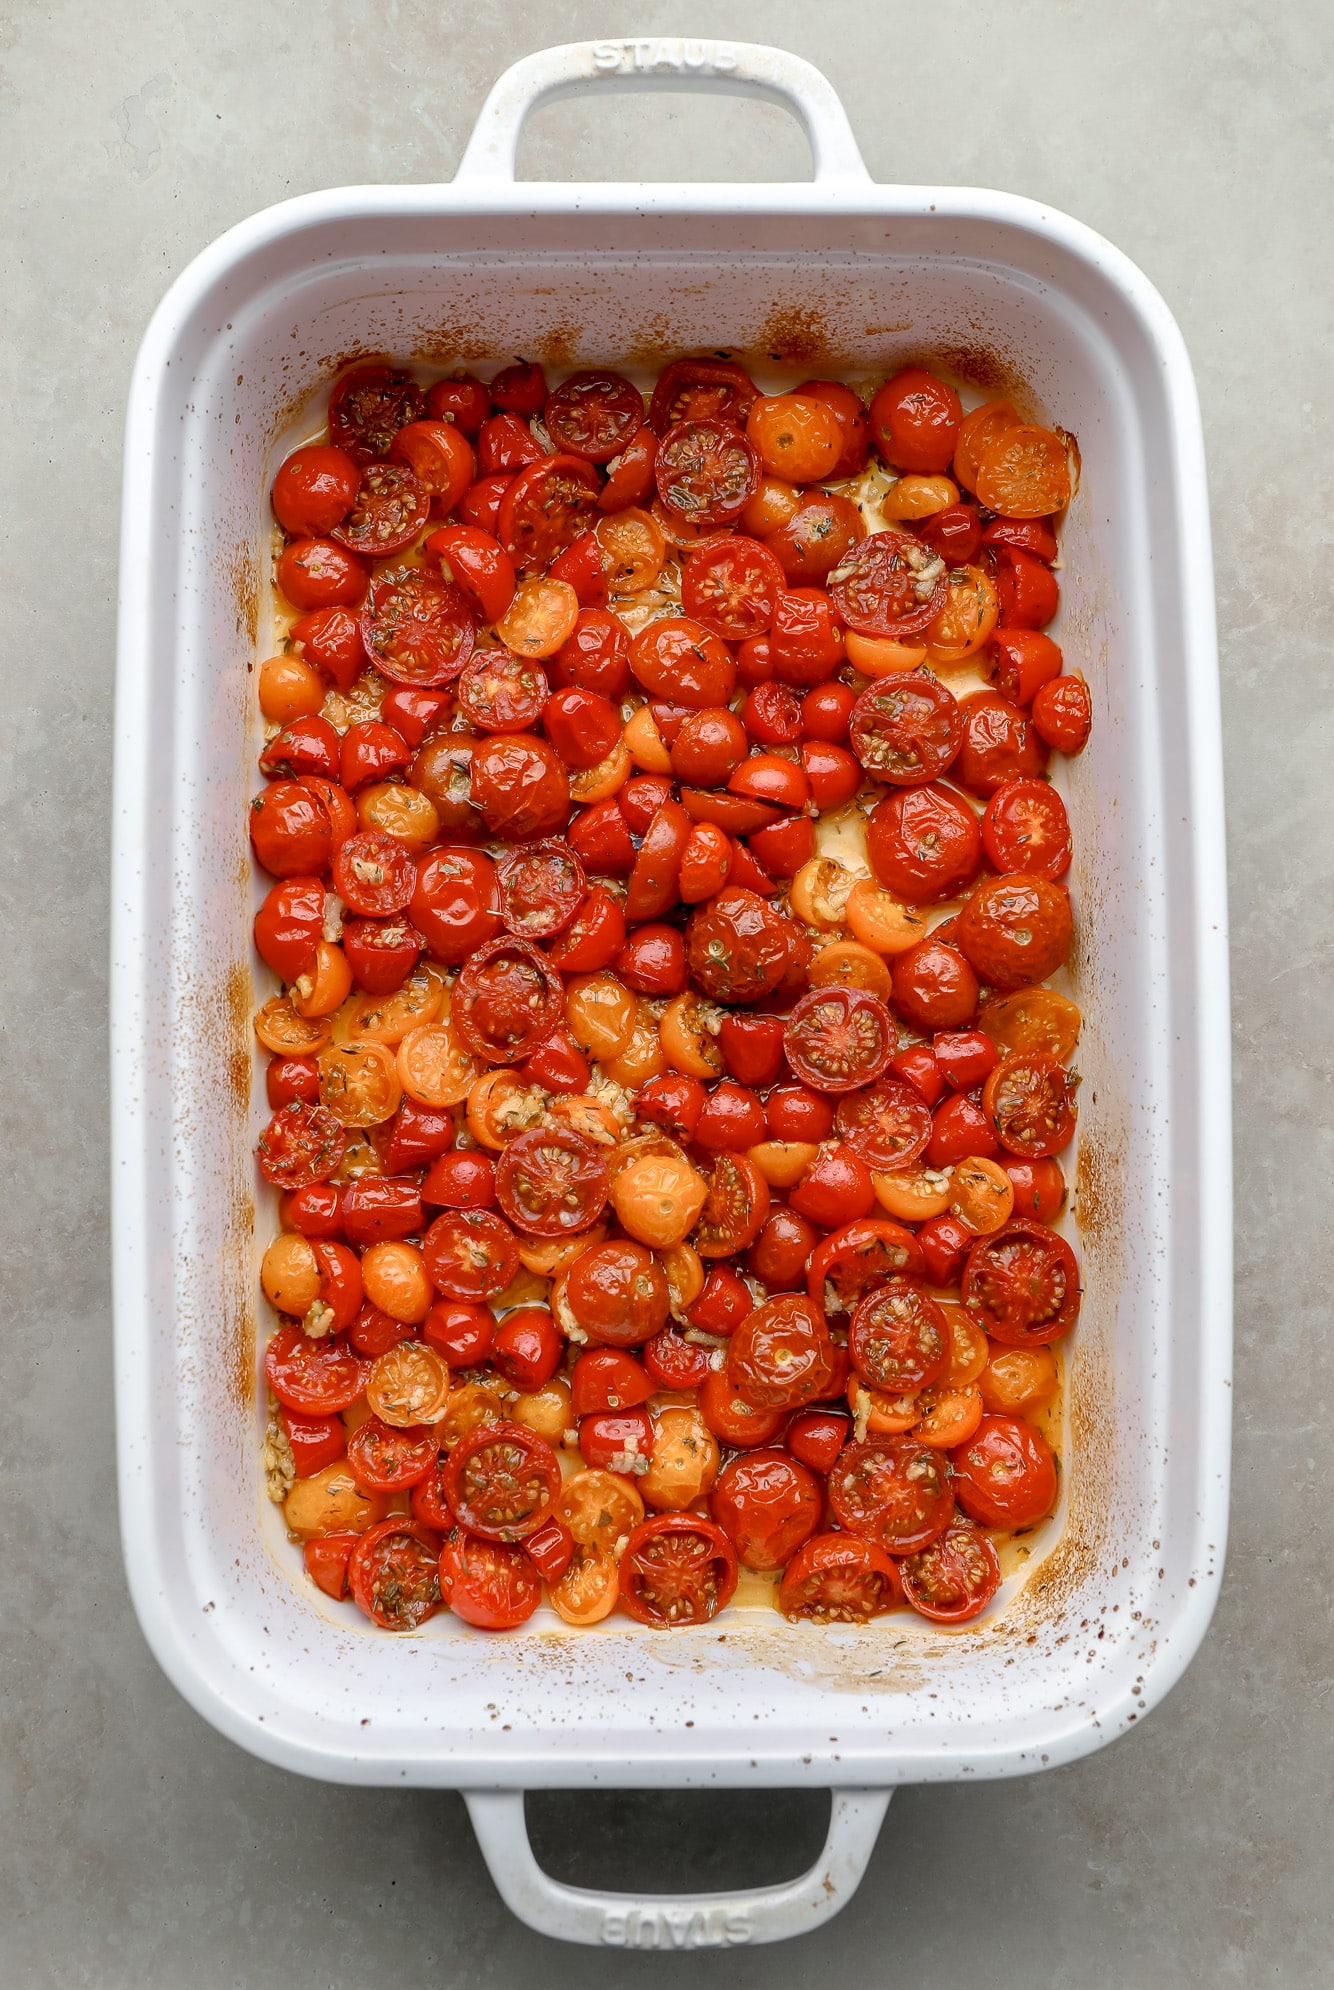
[[853, 276]]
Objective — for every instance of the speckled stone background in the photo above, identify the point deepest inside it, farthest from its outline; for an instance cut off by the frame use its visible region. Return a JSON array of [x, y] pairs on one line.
[[140, 1849]]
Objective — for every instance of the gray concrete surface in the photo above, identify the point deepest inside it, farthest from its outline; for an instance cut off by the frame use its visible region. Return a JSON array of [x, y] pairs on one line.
[[136, 1847]]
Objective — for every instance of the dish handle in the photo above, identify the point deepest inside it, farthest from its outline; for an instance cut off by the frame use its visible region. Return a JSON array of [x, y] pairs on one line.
[[675, 1920], [670, 62]]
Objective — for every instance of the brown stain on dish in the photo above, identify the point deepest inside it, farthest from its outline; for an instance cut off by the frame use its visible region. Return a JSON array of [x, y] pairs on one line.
[[979, 365], [244, 581], [797, 333]]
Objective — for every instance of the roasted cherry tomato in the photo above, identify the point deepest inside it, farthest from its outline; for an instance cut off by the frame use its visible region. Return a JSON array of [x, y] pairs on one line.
[[1005, 1475], [893, 1491], [369, 406], [394, 1576], [858, 1257], [1021, 1286], [839, 1579], [768, 1505], [915, 421], [677, 1568], [839, 1038], [923, 843], [955, 1578], [493, 1585]]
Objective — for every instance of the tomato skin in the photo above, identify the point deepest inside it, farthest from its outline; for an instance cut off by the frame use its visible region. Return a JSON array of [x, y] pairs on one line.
[[301, 1145], [959, 1129], [656, 875], [313, 1378], [918, 1068], [381, 953], [768, 1504], [551, 1550], [1021, 1284], [316, 1441], [326, 1557], [1024, 661], [794, 1112], [1005, 1475], [606, 1379], [527, 1347], [924, 843], [1000, 744], [374, 874], [460, 1331], [737, 946], [732, 1119], [558, 1065], [839, 1578], [1039, 1187], [954, 1579], [944, 1244], [706, 863], [677, 659], [417, 1134], [319, 573], [1028, 535], [723, 1304], [600, 836], [313, 1212], [752, 1049], [1027, 590], [915, 420], [673, 1362], [1063, 713], [779, 1358], [519, 786], [1025, 827], [655, 1599], [314, 490], [805, 643], [290, 831], [673, 1102], [833, 773], [439, 457], [779, 1254], [583, 726], [583, 567], [289, 926], [463, 400], [935, 987], [594, 937], [506, 445], [955, 533], [330, 638], [783, 847], [492, 1585], [289, 1078], [386, 1458], [470, 1254], [771, 716], [653, 961], [1016, 929], [609, 1438], [480, 504], [378, 1206], [816, 1437], [373, 1333], [369, 751], [825, 712], [837, 1188], [367, 408], [965, 1058], [809, 544], [860, 1255], [893, 1491], [596, 657], [546, 509], [479, 564], [464, 1179]]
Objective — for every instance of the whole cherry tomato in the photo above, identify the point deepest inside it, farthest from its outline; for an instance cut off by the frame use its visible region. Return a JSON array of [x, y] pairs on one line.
[[837, 1188]]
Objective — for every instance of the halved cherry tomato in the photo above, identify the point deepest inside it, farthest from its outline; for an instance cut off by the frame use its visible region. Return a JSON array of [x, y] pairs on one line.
[[462, 400], [706, 472], [924, 843], [656, 875], [546, 509], [736, 1208], [551, 1183], [492, 1585], [526, 1347], [506, 1000], [1022, 1285], [470, 1254], [1025, 828], [1005, 1475], [817, 1436], [302, 1144], [461, 1331], [1039, 1187], [369, 406], [732, 588], [616, 1440], [701, 389], [439, 457], [594, 414], [815, 538], [374, 874], [889, 584], [839, 1579], [954, 1579], [385, 1459], [391, 507], [858, 1257], [677, 1568], [326, 1558], [417, 628], [1029, 1101], [897, 1339], [677, 658], [1027, 591], [289, 926], [1016, 929], [893, 1491], [906, 729], [888, 1124], [315, 1441], [394, 1576], [501, 1481], [839, 1038], [313, 1377], [673, 1362], [630, 475], [955, 533], [1025, 660], [478, 563]]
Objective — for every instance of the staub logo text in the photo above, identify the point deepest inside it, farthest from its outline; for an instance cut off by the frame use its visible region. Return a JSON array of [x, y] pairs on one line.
[[676, 1928], [612, 58]]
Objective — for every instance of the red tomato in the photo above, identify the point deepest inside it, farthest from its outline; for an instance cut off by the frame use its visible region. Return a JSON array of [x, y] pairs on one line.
[[373, 1333], [915, 420], [601, 836], [833, 773], [386, 1459], [706, 863], [374, 874], [300, 1145], [369, 406], [780, 1253], [391, 508], [477, 562], [500, 692], [456, 903], [393, 1574], [542, 886], [558, 1065], [470, 1254], [316, 1441], [917, 1067], [1025, 828], [1000, 744], [551, 1182], [378, 1206], [381, 953], [816, 1437], [606, 1378], [898, 1340], [732, 1119], [655, 879], [326, 1559], [934, 986], [780, 1357], [417, 628], [1039, 1187], [944, 1244], [850, 414], [677, 1569], [826, 710], [416, 1135], [1029, 1102], [1063, 713], [1022, 1284], [520, 389], [857, 1258], [653, 960], [1029, 535], [304, 746], [893, 1491], [547, 507], [701, 389], [724, 1302], [596, 657], [794, 1112], [313, 1211], [460, 1332], [732, 1419], [812, 541], [924, 843], [955, 533], [290, 830], [370, 751], [889, 585], [839, 1038], [330, 638], [771, 715], [805, 645], [289, 926], [440, 459], [709, 746], [964, 1057], [492, 1585], [673, 1102], [673, 1362], [752, 1048], [706, 472], [506, 1001], [1016, 930], [630, 475], [462, 400], [615, 1440], [677, 658], [1025, 660], [520, 786], [732, 587], [290, 1078], [501, 1481], [839, 1579], [1028, 591], [1005, 1475], [314, 490], [617, 1292], [319, 573], [594, 414], [480, 504], [506, 445], [958, 1130], [313, 1377], [583, 726], [594, 937], [769, 777], [836, 1188], [465, 1179], [907, 728], [954, 1579], [768, 1505], [527, 1347]]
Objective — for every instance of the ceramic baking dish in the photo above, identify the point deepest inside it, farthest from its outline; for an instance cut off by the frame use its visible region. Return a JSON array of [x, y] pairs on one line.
[[838, 274]]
